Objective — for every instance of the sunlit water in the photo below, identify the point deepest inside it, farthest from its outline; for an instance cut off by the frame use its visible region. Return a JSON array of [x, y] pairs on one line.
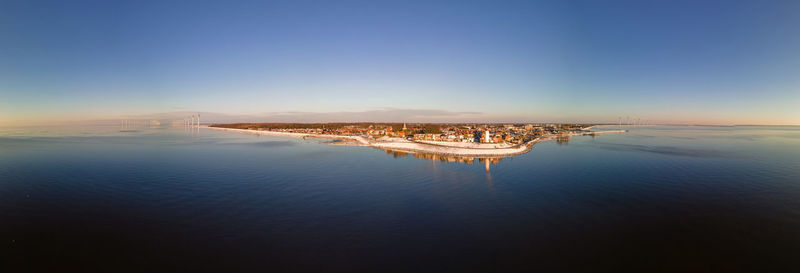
[[654, 199]]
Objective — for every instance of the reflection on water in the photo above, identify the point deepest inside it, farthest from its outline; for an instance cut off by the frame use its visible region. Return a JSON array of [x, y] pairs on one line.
[[448, 158], [564, 140]]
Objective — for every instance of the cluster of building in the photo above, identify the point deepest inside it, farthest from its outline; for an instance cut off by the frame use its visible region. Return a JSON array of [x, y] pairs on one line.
[[484, 134], [508, 133]]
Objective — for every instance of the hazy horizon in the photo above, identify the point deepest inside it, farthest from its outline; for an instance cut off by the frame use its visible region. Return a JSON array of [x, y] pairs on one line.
[[676, 62], [374, 116]]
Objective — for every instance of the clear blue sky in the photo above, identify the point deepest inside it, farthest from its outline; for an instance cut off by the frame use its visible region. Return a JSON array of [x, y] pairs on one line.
[[722, 62]]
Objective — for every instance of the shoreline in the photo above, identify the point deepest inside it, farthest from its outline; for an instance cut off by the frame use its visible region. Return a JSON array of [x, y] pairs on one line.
[[361, 140], [427, 147]]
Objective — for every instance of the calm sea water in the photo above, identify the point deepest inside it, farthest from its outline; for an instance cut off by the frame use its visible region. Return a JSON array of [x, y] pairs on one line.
[[654, 199]]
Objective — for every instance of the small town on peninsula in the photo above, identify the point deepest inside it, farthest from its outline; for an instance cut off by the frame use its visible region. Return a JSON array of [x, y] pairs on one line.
[[439, 132]]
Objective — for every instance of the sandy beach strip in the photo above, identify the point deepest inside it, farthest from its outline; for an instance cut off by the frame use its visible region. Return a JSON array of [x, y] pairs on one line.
[[358, 139]]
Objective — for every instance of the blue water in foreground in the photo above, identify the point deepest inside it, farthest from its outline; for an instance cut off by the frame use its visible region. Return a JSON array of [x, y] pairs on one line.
[[666, 198]]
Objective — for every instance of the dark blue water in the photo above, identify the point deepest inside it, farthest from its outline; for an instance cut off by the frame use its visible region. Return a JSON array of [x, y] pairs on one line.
[[655, 199]]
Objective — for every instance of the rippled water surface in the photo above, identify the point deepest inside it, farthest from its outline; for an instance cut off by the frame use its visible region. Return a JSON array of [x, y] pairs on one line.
[[655, 199]]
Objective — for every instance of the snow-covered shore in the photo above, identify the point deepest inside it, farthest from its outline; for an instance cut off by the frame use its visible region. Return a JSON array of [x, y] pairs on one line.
[[418, 147]]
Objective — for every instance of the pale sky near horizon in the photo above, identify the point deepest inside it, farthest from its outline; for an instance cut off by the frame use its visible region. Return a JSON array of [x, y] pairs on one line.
[[695, 62]]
